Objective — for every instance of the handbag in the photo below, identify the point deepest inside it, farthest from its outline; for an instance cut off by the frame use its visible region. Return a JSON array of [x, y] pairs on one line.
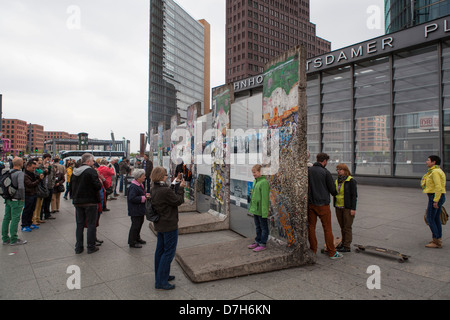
[[60, 188], [109, 191], [444, 216], [150, 212], [42, 191]]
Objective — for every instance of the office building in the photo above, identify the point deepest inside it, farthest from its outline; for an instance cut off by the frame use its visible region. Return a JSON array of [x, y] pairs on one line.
[[15, 131], [35, 137], [259, 30], [381, 106], [402, 14], [179, 48]]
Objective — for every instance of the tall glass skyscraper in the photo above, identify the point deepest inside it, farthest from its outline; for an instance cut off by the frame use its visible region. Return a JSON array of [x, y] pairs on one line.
[[177, 62], [401, 14]]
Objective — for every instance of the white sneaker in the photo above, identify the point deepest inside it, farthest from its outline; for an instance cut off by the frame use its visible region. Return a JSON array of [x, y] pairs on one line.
[[337, 255], [18, 242]]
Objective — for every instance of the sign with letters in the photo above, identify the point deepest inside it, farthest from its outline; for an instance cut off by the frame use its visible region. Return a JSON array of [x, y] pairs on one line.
[[427, 32]]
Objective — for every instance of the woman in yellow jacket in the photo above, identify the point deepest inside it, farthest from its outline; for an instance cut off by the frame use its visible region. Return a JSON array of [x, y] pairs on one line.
[[345, 205], [433, 184], [69, 171]]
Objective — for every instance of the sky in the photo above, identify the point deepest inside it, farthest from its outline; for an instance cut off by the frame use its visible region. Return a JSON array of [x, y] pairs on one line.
[[82, 65]]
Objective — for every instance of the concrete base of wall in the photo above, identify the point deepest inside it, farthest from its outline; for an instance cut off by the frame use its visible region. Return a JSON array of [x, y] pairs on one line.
[[187, 207], [234, 259], [194, 222]]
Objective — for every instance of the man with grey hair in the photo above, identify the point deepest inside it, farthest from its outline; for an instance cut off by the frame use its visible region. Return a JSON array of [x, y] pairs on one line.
[[86, 196]]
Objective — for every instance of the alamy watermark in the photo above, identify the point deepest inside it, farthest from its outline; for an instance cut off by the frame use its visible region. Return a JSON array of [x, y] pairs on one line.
[[375, 17], [374, 281], [74, 281], [73, 22], [230, 147]]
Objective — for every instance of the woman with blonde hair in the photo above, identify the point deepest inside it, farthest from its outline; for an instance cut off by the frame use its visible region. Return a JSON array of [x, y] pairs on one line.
[[345, 205], [165, 201]]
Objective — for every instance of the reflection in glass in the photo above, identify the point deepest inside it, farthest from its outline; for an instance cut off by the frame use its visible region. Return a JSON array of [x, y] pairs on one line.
[[336, 115], [313, 131], [372, 110], [416, 103], [446, 104]]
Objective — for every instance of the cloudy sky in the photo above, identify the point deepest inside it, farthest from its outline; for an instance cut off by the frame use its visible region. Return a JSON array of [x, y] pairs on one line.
[[82, 65]]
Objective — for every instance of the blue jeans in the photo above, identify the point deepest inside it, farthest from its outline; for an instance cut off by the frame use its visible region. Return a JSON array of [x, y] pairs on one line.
[[166, 247], [434, 216], [262, 230], [121, 183], [68, 190]]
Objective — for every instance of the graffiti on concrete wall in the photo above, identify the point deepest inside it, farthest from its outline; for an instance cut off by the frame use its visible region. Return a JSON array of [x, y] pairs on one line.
[[174, 122], [280, 111], [160, 143], [220, 168], [193, 112]]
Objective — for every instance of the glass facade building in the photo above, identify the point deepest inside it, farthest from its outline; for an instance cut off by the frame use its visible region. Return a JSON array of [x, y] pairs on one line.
[[383, 106], [177, 62], [401, 14]]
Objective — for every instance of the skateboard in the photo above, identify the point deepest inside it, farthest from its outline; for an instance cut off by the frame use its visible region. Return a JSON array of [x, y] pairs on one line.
[[387, 252], [337, 242]]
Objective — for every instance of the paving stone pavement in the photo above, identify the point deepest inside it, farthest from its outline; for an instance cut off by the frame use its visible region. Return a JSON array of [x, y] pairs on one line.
[[386, 217]]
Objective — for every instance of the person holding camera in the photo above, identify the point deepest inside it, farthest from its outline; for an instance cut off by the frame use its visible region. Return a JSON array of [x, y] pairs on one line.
[[165, 201]]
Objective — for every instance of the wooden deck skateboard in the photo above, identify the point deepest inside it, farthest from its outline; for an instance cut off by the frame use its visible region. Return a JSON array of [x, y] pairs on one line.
[[386, 252]]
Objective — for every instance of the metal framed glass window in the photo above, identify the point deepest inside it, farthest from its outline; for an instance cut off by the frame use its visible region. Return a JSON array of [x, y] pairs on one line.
[[416, 105], [446, 105], [313, 103], [372, 117], [337, 118]]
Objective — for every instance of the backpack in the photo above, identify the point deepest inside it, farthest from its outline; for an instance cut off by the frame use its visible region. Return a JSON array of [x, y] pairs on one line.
[[7, 188]]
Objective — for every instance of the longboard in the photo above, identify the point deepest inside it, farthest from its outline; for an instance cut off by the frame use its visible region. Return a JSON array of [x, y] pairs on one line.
[[387, 252]]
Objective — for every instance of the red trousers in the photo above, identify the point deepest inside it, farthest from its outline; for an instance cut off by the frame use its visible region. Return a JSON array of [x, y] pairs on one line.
[[324, 214]]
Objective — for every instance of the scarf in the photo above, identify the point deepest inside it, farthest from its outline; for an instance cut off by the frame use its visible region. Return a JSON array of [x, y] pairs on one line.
[[138, 184], [423, 182], [341, 179]]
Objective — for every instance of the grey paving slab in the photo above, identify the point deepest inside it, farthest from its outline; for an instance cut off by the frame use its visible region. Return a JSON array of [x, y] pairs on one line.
[[387, 217]]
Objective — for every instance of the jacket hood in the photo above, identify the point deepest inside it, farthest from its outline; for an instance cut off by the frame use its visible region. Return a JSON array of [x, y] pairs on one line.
[[80, 170]]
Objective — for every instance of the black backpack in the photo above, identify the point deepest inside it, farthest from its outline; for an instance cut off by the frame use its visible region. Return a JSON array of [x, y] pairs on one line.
[[7, 188]]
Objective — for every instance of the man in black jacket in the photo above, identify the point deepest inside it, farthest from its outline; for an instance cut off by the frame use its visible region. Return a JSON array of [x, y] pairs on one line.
[[31, 180], [320, 185], [86, 196]]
